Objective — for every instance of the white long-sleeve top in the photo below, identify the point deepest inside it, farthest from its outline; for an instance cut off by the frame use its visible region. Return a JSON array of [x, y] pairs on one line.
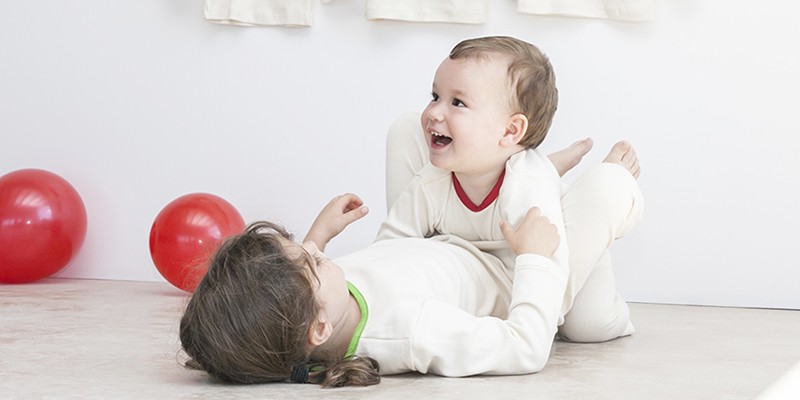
[[442, 306], [430, 205]]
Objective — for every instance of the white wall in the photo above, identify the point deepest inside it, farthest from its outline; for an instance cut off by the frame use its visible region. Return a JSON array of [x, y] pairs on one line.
[[136, 103]]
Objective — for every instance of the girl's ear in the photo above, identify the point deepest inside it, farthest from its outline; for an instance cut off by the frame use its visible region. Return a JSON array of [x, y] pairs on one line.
[[320, 330], [515, 130]]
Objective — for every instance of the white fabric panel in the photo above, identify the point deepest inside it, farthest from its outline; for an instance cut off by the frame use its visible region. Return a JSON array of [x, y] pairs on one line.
[[259, 12], [620, 10], [458, 11]]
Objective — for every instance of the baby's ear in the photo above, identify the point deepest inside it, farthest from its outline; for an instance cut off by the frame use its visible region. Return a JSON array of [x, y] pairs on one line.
[[515, 130], [320, 330]]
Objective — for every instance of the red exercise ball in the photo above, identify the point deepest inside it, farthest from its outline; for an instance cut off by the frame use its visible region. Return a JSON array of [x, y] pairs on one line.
[[42, 225], [186, 233]]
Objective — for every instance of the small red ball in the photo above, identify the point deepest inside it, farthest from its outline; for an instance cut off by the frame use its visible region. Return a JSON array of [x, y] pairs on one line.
[[187, 232]]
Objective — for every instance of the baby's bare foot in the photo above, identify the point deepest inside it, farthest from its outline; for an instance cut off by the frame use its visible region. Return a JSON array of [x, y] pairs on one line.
[[622, 153], [567, 158]]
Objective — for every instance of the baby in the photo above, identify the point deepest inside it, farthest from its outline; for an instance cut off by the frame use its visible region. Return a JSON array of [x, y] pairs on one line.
[[493, 101]]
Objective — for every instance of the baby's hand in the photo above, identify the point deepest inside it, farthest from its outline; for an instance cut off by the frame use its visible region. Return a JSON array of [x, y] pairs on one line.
[[340, 212], [535, 234]]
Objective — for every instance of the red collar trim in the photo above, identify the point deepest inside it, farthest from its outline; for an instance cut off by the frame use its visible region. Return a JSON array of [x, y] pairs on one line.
[[490, 198]]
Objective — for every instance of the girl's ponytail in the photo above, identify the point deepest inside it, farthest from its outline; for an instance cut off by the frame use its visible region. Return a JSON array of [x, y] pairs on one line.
[[352, 371]]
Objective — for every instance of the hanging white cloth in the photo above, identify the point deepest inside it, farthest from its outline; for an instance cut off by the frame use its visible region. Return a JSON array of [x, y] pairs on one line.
[[454, 11], [259, 12], [620, 10], [300, 12]]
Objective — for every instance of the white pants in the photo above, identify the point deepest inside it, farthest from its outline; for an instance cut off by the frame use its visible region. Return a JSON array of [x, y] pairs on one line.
[[602, 205]]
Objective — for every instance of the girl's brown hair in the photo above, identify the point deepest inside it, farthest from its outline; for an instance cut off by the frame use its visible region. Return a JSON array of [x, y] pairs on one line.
[[531, 76], [248, 319]]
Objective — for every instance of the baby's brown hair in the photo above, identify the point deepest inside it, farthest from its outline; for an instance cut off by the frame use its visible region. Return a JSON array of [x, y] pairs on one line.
[[531, 77]]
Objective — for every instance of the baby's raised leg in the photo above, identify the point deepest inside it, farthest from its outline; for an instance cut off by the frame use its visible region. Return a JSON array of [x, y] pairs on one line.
[[598, 313], [603, 204], [567, 158]]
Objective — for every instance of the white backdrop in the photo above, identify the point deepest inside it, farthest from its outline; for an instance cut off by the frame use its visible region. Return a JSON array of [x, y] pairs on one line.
[[136, 103]]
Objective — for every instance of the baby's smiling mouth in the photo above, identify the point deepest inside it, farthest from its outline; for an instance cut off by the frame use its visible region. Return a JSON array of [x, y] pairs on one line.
[[440, 140]]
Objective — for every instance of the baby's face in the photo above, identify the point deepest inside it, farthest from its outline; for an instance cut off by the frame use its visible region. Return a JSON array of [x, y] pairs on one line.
[[469, 113]]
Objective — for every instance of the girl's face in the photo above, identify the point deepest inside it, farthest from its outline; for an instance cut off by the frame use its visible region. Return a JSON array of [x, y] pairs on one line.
[[468, 115], [327, 279]]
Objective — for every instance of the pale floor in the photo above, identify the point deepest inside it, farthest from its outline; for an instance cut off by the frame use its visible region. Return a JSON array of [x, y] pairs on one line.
[[86, 339]]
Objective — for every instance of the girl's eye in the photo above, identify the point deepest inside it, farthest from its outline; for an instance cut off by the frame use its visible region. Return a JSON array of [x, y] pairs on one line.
[[458, 103], [434, 97]]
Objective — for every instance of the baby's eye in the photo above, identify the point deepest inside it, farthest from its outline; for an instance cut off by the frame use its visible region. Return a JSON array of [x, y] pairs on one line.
[[434, 97], [458, 103]]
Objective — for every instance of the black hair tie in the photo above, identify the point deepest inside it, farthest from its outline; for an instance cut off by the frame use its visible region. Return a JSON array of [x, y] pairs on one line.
[[299, 374]]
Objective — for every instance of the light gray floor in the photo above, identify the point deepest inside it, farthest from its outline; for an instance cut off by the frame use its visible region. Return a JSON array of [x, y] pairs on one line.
[[63, 338]]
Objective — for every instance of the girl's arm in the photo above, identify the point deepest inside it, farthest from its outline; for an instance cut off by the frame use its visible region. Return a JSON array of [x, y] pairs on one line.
[[340, 212]]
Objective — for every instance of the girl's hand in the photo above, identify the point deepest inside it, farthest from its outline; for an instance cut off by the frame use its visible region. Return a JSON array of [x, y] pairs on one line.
[[535, 234], [341, 211]]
